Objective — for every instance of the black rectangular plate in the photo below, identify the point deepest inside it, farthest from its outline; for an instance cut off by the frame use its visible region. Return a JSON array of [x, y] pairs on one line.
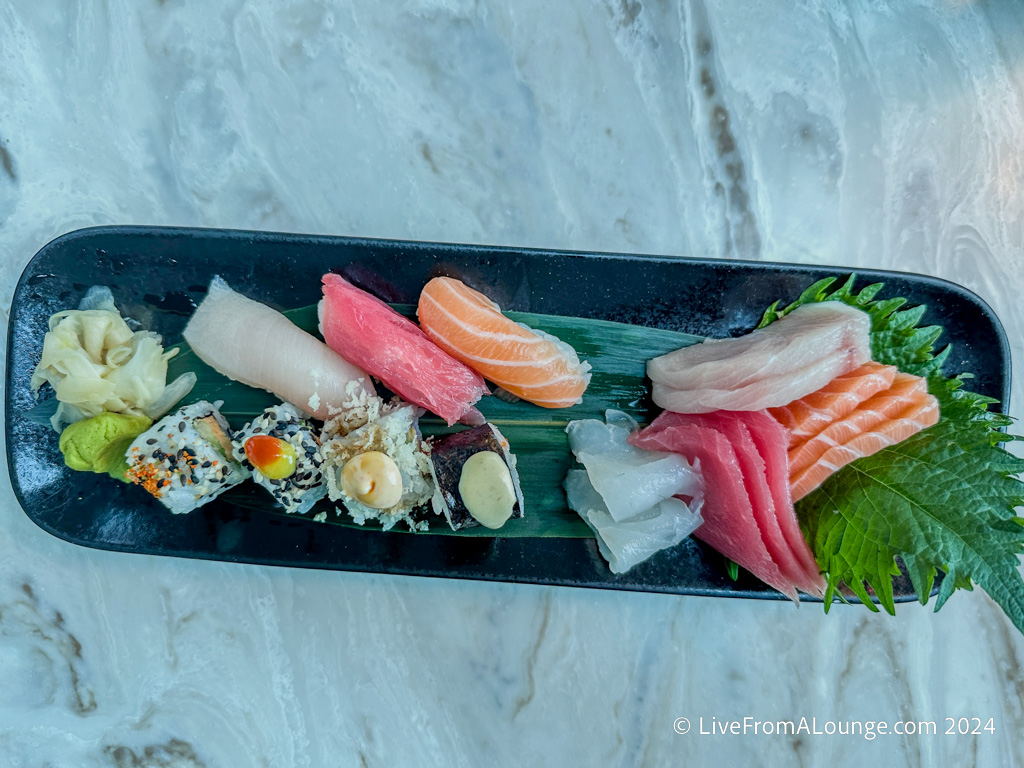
[[159, 274]]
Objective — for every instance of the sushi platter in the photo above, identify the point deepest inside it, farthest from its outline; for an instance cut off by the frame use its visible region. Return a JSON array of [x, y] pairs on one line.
[[201, 286]]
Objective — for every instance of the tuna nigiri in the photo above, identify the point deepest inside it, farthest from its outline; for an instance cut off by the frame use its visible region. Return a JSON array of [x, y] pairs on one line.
[[769, 367], [530, 364], [367, 332], [256, 345]]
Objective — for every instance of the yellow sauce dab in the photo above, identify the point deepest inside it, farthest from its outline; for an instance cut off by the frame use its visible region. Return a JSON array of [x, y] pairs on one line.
[[486, 489]]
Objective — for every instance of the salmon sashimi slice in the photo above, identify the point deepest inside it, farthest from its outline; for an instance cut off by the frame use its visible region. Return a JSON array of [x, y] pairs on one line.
[[770, 441], [866, 416], [755, 478], [921, 413], [368, 333], [808, 416], [729, 524], [530, 364], [770, 367]]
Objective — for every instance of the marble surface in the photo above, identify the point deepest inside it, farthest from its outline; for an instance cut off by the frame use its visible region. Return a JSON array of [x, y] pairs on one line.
[[863, 134]]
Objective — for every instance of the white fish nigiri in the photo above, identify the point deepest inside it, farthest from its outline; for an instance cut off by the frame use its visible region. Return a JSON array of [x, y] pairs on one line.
[[770, 367], [251, 343], [627, 495]]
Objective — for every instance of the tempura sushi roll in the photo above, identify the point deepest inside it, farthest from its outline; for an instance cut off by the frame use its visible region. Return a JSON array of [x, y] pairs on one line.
[[282, 451], [476, 478], [380, 470], [185, 459]]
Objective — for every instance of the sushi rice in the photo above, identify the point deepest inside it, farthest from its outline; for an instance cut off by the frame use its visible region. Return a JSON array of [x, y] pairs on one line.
[[184, 459], [305, 486], [391, 429]]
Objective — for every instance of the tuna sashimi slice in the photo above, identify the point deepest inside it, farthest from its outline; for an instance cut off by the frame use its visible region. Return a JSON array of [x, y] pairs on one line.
[[770, 440], [865, 417], [252, 343], [770, 367], [729, 523], [762, 501], [368, 333], [920, 413], [808, 416]]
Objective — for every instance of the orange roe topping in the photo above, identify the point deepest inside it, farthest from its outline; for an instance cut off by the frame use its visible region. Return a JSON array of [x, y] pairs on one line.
[[147, 476]]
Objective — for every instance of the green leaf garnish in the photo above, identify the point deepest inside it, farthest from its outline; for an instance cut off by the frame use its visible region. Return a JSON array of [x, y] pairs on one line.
[[944, 499]]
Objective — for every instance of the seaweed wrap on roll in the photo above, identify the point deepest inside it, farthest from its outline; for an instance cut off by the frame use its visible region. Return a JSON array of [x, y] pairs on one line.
[[185, 459], [476, 479], [282, 451]]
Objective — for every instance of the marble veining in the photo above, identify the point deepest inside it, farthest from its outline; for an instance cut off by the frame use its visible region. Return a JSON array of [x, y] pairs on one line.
[[884, 135]]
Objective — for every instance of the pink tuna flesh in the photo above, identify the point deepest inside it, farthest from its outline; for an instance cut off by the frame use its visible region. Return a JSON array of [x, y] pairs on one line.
[[729, 526], [368, 333], [764, 442]]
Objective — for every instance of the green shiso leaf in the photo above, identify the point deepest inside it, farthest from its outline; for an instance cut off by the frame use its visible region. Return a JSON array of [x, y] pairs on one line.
[[944, 499], [617, 352]]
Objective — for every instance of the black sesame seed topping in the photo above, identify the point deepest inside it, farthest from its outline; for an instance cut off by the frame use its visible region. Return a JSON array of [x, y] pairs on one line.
[[151, 441], [207, 464], [181, 426]]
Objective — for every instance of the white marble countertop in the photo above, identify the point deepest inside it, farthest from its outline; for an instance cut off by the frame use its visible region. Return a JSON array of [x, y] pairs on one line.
[[889, 136]]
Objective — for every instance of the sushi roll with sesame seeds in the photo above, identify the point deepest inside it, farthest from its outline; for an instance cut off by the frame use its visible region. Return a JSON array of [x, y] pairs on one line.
[[185, 459], [282, 451]]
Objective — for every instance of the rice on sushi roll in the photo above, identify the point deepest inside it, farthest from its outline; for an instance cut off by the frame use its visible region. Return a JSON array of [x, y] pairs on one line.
[[476, 478], [282, 451], [185, 459], [377, 465]]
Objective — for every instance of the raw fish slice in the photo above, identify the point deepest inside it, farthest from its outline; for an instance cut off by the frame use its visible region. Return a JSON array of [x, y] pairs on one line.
[[367, 332], [631, 541], [808, 416], [770, 440], [729, 524], [528, 363], [869, 414], [770, 367], [249, 342], [628, 479], [922, 413], [762, 502]]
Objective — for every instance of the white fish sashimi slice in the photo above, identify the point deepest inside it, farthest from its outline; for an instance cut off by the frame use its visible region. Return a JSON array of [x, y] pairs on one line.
[[795, 342], [628, 479], [769, 392], [629, 542], [251, 343], [770, 367]]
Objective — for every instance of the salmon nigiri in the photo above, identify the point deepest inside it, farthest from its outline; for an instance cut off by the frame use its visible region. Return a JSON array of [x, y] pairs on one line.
[[530, 364]]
